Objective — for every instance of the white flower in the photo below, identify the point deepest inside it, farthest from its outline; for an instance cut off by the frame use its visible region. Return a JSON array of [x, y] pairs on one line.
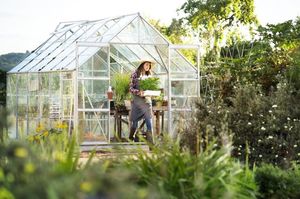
[[270, 111], [239, 154], [274, 106], [295, 145], [251, 114], [263, 128], [276, 156], [284, 158], [215, 145], [285, 127], [260, 156], [249, 123], [270, 137], [261, 115], [272, 147], [288, 118], [259, 140], [298, 154]]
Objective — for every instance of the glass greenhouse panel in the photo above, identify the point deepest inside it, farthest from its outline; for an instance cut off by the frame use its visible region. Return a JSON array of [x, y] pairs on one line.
[[94, 127], [159, 58], [11, 104], [22, 83], [22, 107], [33, 106], [149, 35], [54, 83], [184, 88], [44, 106], [92, 94], [67, 107], [130, 34], [96, 66], [124, 53], [117, 28], [67, 87], [44, 84], [180, 63]]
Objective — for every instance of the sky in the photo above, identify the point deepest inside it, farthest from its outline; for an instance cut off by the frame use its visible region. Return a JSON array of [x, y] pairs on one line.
[[25, 24]]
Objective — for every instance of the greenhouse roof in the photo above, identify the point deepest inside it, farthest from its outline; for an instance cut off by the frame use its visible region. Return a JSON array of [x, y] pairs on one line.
[[58, 53]]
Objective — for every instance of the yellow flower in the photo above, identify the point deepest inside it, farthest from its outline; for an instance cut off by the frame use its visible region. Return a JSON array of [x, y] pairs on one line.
[[61, 125], [39, 128], [29, 168], [46, 133], [86, 186], [21, 152]]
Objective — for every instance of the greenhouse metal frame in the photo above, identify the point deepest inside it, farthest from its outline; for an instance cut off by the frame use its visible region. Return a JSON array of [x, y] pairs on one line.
[[66, 78]]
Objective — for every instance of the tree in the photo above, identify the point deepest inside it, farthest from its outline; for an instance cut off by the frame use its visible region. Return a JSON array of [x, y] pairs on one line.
[[210, 19]]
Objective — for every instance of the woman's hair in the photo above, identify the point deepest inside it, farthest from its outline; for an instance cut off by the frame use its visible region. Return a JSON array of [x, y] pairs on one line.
[[141, 68]]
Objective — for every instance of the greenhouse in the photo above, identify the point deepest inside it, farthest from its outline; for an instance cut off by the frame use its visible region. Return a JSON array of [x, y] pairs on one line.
[[67, 78]]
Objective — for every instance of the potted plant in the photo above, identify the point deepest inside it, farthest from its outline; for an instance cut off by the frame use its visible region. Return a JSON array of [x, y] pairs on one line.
[[150, 86], [151, 83], [120, 83]]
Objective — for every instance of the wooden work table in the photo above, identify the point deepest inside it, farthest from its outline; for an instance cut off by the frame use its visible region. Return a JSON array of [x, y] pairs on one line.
[[122, 117]]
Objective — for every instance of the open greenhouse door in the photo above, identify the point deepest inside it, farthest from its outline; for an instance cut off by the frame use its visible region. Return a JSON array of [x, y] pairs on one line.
[[91, 106], [183, 86]]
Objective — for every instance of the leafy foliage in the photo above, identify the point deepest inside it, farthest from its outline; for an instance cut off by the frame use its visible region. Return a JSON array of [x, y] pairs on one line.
[[120, 83], [178, 174], [211, 19], [151, 83], [265, 128], [276, 183]]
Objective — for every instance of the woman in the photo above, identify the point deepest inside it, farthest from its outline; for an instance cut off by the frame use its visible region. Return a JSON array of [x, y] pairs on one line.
[[140, 108]]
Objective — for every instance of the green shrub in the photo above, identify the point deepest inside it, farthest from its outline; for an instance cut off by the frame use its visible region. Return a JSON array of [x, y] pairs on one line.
[[120, 83], [274, 182], [151, 83], [178, 174], [270, 124]]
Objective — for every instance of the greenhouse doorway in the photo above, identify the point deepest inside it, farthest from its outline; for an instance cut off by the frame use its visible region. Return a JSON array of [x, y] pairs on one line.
[[183, 86], [91, 105]]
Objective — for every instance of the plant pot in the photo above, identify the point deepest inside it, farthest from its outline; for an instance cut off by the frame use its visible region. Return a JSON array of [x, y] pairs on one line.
[[127, 103], [165, 103], [109, 95], [121, 108], [158, 104]]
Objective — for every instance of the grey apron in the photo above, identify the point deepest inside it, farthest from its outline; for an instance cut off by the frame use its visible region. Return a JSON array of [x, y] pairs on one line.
[[140, 109]]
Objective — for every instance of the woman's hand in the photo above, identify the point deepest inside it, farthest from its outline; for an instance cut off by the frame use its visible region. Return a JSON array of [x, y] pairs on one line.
[[141, 93]]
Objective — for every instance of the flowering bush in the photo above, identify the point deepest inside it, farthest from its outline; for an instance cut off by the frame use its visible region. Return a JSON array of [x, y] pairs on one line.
[[264, 128]]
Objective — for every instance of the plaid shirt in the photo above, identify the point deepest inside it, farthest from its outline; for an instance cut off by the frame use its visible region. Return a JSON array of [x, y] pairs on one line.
[[134, 83]]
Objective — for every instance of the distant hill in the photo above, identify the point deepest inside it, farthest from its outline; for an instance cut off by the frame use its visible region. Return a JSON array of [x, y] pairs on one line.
[[10, 60]]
